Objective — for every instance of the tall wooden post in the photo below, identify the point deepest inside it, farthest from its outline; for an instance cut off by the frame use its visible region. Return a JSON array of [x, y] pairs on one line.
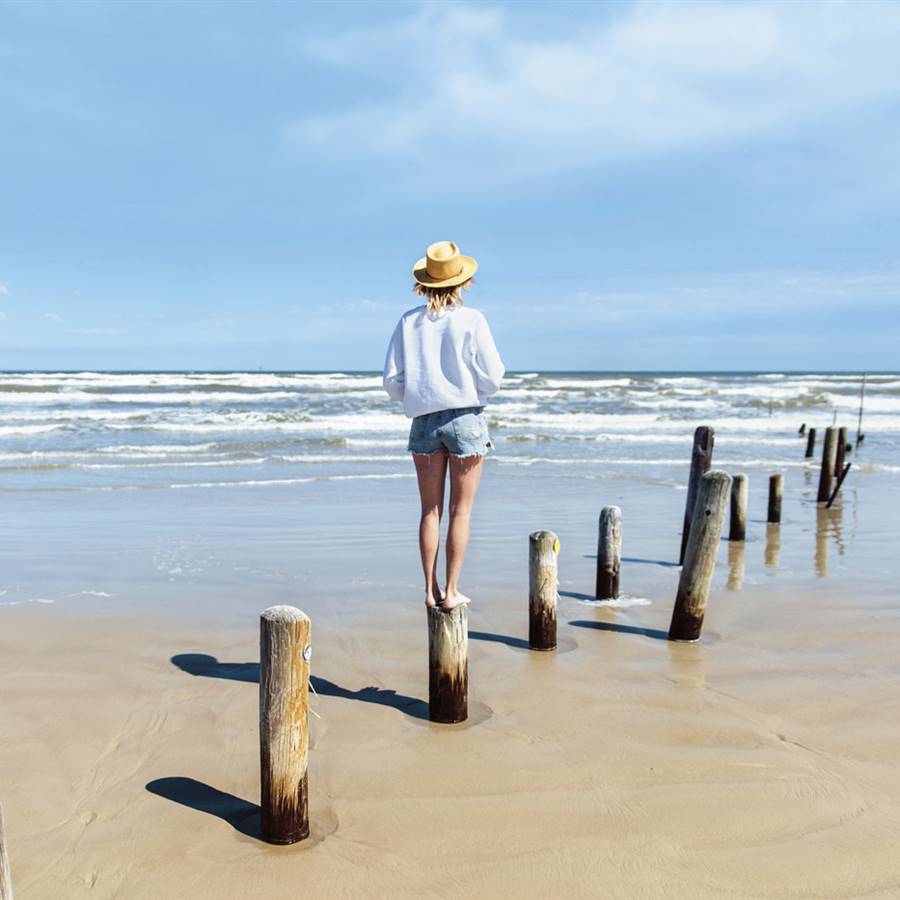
[[776, 489], [6, 891], [609, 553], [862, 400], [840, 451], [826, 474], [737, 529], [448, 664], [542, 590], [700, 558], [701, 460], [810, 443], [284, 653]]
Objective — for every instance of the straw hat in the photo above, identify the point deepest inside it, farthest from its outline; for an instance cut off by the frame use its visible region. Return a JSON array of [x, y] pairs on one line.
[[444, 266]]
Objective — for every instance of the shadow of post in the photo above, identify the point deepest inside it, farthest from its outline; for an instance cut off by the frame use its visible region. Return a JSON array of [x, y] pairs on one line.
[[240, 814], [654, 633], [203, 664], [518, 643]]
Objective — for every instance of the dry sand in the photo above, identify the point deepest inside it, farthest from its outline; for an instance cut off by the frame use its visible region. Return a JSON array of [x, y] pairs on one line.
[[760, 763]]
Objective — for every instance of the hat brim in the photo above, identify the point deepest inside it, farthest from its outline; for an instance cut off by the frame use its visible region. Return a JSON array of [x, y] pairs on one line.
[[420, 273]]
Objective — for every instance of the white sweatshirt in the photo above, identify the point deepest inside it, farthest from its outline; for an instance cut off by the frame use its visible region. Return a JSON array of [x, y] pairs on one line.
[[445, 360]]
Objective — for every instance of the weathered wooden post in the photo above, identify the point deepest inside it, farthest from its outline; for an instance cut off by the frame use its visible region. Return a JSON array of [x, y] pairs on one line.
[[448, 664], [284, 653], [810, 443], [609, 553], [826, 474], [701, 460], [840, 451], [6, 891], [802, 430], [542, 590], [776, 489], [700, 558], [737, 528]]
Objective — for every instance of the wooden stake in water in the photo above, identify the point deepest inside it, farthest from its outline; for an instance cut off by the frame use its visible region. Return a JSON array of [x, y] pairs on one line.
[[776, 488], [609, 553], [840, 451], [542, 587], [696, 576], [810, 443], [284, 653], [802, 430], [737, 529], [826, 473], [6, 891], [862, 398], [448, 664], [701, 460]]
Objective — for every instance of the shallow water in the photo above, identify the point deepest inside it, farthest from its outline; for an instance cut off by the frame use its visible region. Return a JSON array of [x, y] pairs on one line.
[[192, 491]]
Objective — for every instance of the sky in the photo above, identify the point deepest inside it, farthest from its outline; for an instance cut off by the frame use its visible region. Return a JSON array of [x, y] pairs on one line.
[[229, 185]]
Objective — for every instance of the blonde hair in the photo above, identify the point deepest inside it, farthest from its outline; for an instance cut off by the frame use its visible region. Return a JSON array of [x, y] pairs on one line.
[[441, 297]]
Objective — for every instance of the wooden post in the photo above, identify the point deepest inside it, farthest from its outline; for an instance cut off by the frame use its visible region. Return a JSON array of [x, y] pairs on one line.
[[448, 664], [284, 652], [776, 488], [609, 553], [696, 576], [802, 430], [6, 891], [840, 451], [701, 460], [737, 529], [837, 487], [810, 443], [826, 473], [542, 586], [862, 399]]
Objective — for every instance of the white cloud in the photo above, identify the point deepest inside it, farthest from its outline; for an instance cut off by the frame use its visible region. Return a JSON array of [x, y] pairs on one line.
[[656, 79]]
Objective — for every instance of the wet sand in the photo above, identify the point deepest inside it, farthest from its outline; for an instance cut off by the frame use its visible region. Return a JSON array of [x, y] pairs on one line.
[[758, 763]]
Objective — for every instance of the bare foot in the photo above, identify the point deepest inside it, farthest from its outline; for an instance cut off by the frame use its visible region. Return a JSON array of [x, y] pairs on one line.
[[454, 599], [432, 600]]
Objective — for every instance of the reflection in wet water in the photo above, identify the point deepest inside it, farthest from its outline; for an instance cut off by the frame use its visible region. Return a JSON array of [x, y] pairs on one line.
[[828, 522], [773, 545], [688, 669], [735, 565]]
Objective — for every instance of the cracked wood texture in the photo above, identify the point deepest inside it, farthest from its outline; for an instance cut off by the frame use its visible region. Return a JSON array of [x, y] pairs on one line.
[[701, 460], [609, 553], [448, 664], [703, 545], [542, 586], [284, 724]]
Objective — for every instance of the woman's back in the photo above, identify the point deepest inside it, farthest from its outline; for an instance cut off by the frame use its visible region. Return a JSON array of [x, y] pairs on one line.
[[442, 360]]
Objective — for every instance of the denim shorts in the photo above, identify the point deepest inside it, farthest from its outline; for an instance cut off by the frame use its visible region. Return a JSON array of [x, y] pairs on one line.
[[461, 432]]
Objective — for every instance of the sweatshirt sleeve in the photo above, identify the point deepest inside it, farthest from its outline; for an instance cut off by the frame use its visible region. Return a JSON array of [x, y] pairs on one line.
[[393, 377], [489, 368]]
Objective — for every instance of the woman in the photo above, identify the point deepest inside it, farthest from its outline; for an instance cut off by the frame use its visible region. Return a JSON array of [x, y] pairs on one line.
[[443, 365]]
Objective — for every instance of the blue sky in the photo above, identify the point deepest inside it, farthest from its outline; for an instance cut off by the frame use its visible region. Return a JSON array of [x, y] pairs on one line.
[[646, 186]]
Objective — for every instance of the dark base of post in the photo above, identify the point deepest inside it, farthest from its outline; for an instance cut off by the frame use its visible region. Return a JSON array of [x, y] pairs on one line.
[[607, 587], [282, 824], [685, 627], [542, 632]]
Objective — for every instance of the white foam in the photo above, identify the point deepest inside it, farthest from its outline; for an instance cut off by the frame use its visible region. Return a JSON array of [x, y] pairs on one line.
[[618, 603]]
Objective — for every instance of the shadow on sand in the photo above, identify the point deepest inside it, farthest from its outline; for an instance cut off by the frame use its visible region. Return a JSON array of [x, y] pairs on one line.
[[518, 643], [241, 815], [654, 633], [208, 666]]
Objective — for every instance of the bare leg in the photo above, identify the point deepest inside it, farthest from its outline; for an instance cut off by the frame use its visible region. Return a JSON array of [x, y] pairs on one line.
[[465, 474], [431, 470]]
